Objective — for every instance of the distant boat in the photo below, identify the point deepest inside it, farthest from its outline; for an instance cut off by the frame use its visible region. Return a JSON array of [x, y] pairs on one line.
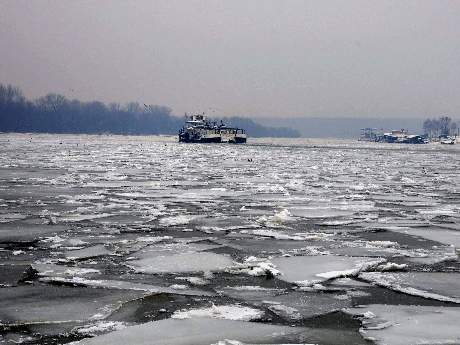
[[402, 137], [198, 129]]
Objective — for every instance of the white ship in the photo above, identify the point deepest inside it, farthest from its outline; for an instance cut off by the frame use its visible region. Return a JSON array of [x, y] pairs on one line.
[[198, 129]]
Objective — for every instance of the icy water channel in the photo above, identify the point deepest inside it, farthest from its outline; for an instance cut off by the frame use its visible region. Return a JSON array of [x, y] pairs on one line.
[[141, 240]]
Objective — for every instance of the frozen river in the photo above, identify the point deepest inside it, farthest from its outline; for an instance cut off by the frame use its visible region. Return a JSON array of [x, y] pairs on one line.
[[142, 240]]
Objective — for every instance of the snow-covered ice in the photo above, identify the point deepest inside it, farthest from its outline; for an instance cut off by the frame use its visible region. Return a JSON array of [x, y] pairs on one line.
[[228, 312]]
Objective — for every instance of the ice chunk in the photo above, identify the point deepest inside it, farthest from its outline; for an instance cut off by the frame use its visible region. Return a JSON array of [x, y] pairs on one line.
[[181, 263], [433, 285], [290, 304], [194, 280], [44, 303], [285, 311], [24, 232], [199, 331], [125, 285], [277, 219], [252, 288], [403, 324], [177, 220], [178, 286], [391, 266], [279, 235], [153, 239], [51, 270], [255, 267], [445, 236], [228, 312], [320, 212], [308, 270], [100, 327], [349, 282], [78, 217], [86, 253]]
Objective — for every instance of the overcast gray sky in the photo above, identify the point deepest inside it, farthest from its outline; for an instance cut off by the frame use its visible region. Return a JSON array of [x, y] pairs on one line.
[[241, 57]]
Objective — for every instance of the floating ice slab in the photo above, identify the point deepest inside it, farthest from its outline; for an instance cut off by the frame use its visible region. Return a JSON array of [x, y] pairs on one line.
[[44, 303], [282, 235], [23, 232], [181, 246], [182, 219], [319, 212], [445, 236], [181, 263], [433, 285], [52, 270], [307, 270], [125, 285], [86, 253], [82, 217], [403, 325], [198, 331], [290, 305]]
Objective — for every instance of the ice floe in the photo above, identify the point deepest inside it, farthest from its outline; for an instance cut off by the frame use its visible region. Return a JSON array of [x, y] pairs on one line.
[[20, 304], [308, 270], [182, 263], [433, 285], [86, 253], [200, 331], [407, 324]]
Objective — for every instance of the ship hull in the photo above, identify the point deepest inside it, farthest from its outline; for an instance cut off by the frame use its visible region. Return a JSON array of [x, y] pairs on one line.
[[199, 140], [211, 140]]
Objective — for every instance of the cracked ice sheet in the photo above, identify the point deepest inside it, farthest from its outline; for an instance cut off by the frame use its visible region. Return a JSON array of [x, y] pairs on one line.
[[207, 331], [308, 270], [403, 325], [433, 285]]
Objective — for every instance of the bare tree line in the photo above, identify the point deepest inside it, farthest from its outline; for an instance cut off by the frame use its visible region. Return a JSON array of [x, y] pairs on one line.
[[441, 127], [55, 113]]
